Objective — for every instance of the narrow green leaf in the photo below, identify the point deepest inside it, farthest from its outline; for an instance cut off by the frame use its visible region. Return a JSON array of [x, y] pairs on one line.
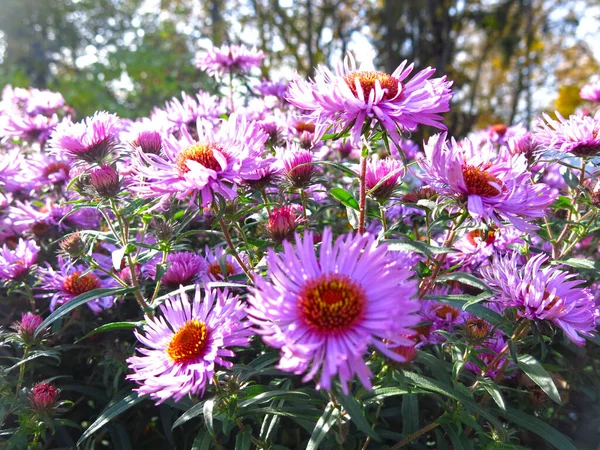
[[381, 393], [323, 426], [80, 300], [112, 326], [581, 263], [534, 369], [357, 415], [110, 413], [207, 410], [418, 247], [345, 197], [202, 441], [539, 427], [273, 395], [494, 391], [410, 414], [194, 411], [465, 278], [244, 440], [459, 440]]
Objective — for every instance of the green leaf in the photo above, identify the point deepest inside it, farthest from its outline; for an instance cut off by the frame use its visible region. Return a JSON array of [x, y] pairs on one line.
[[459, 440], [112, 326], [345, 197], [78, 301], [244, 440], [534, 369], [494, 391], [273, 395], [202, 441], [381, 393], [418, 247], [196, 410], [323, 426], [207, 410], [580, 263], [465, 278], [539, 427], [353, 217], [357, 415], [410, 414], [110, 413]]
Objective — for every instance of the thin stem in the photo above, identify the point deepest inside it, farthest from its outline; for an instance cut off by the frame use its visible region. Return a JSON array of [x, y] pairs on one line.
[[22, 370], [138, 292], [246, 244], [234, 251], [31, 297], [304, 207], [266, 200], [362, 200], [158, 283], [415, 435], [364, 447], [383, 221]]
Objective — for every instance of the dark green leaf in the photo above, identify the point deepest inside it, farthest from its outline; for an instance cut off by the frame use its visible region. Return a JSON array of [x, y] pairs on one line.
[[323, 426], [202, 441], [111, 327], [410, 414], [207, 410], [539, 427], [196, 410], [534, 369], [273, 395], [465, 278], [244, 440], [357, 415]]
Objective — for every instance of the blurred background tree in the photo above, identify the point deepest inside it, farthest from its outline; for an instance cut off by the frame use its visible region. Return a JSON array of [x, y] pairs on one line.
[[509, 59]]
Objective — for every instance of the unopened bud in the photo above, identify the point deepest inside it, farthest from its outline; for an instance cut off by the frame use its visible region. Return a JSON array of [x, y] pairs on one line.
[[43, 397], [105, 181]]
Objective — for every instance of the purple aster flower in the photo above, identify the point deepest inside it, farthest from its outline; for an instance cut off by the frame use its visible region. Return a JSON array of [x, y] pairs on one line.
[[10, 165], [487, 353], [187, 112], [184, 268], [216, 163], [183, 347], [352, 97], [493, 184], [438, 316], [69, 281], [275, 88], [591, 92], [42, 170], [522, 144], [105, 181], [15, 264], [229, 58], [31, 128], [543, 294], [297, 165], [91, 140], [218, 260], [500, 133], [324, 312], [383, 177], [149, 141], [579, 135]]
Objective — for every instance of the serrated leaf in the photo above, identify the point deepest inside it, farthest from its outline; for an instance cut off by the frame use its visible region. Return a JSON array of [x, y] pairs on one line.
[[110, 413], [323, 426], [534, 369], [345, 197], [80, 300]]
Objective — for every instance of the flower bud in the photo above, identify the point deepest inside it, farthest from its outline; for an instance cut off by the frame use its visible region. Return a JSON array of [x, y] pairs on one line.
[[73, 245], [298, 167], [105, 181], [43, 397], [476, 330], [27, 326], [283, 222], [149, 142]]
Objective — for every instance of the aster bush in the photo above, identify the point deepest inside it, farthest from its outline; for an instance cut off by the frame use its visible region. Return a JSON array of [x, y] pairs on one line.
[[281, 267]]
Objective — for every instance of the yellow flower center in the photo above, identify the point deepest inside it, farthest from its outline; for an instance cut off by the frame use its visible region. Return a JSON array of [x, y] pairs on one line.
[[478, 181], [331, 303], [189, 342], [367, 80], [202, 154]]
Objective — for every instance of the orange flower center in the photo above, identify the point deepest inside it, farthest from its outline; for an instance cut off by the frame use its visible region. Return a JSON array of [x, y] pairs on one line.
[[216, 270], [476, 236], [302, 126], [478, 181], [189, 342], [500, 128], [443, 311], [201, 153], [77, 284], [331, 303], [367, 80], [55, 167]]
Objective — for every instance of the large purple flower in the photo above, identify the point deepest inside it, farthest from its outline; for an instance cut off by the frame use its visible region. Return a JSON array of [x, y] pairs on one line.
[[544, 294], [494, 184], [14, 264], [213, 164], [90, 140], [70, 281], [579, 135], [324, 312], [184, 268], [183, 347], [352, 96], [234, 58]]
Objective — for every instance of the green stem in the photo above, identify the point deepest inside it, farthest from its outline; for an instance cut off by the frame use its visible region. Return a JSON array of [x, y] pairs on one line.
[[233, 249], [22, 370], [304, 208], [246, 244], [362, 199], [383, 221]]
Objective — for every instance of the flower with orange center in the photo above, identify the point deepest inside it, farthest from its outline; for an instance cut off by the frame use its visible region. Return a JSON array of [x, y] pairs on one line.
[[77, 284], [215, 270], [208, 155], [182, 348], [217, 259], [436, 316], [325, 312], [494, 184], [364, 82]]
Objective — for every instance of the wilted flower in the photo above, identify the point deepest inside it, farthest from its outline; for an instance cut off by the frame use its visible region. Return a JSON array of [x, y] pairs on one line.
[[495, 185], [579, 135], [182, 348], [543, 294], [91, 140], [351, 98], [15, 264], [325, 312], [229, 58]]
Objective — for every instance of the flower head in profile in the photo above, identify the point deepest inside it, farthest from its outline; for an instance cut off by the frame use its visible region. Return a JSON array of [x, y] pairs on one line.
[[186, 112], [15, 264], [382, 177], [91, 140], [352, 97], [494, 185], [183, 269], [325, 311], [229, 58], [182, 348], [591, 92], [543, 294], [70, 281], [215, 163], [578, 135], [297, 165]]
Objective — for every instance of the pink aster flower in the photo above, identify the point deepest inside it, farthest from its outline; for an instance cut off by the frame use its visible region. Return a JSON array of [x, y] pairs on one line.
[[70, 281], [10, 166], [493, 184], [15, 264], [26, 327], [229, 58], [183, 347], [275, 88], [183, 269], [296, 164], [351, 97], [579, 135], [218, 260], [187, 112], [31, 128], [500, 133], [591, 92], [214, 164], [324, 312], [383, 177], [437, 316], [42, 170], [105, 181], [91, 140], [543, 294]]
